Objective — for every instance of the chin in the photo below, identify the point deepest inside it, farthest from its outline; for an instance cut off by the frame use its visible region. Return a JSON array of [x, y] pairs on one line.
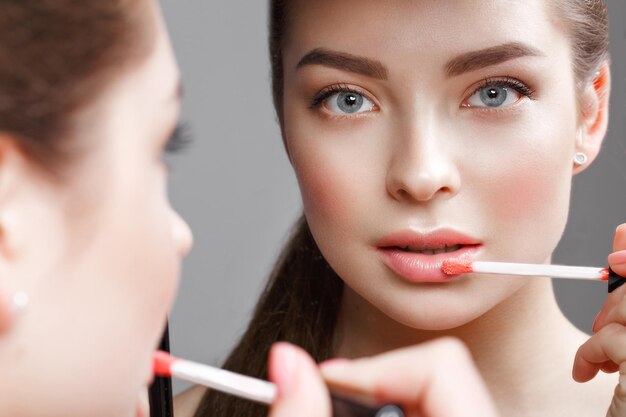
[[441, 319]]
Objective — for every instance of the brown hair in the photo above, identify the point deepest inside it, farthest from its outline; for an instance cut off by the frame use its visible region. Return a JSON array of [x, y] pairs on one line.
[[301, 301], [56, 56]]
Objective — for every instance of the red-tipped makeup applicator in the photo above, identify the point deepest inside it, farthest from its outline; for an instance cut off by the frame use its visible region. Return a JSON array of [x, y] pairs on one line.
[[256, 389], [457, 267]]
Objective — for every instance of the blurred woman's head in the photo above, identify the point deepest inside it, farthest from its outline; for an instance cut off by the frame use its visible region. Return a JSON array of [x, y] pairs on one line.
[[89, 98]]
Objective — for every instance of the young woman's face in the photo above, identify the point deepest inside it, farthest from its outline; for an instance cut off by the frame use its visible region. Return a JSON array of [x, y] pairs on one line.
[[101, 255], [421, 131]]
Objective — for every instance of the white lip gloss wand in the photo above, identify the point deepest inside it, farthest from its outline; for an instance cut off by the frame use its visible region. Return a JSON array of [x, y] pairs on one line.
[[255, 389], [457, 267]]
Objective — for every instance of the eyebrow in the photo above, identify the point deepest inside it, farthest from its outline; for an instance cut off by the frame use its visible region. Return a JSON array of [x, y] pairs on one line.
[[475, 60], [345, 62]]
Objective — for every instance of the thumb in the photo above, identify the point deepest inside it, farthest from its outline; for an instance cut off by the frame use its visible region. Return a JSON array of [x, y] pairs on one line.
[[301, 390]]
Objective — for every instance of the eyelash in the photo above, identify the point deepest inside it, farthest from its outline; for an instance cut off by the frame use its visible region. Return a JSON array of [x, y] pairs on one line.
[[322, 95], [179, 139], [505, 82]]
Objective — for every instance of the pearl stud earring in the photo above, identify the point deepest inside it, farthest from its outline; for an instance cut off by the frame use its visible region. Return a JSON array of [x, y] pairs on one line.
[[580, 159], [20, 303]]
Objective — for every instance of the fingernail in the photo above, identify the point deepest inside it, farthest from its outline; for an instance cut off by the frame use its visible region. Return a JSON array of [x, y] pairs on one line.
[[617, 258], [595, 323], [286, 369]]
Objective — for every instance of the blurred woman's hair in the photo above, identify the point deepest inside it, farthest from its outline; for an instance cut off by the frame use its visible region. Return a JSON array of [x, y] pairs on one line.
[[56, 56]]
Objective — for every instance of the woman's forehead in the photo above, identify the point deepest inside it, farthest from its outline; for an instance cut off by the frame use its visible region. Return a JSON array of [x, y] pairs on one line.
[[417, 27]]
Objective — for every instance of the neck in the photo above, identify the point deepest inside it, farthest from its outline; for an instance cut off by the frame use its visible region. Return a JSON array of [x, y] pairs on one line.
[[527, 328]]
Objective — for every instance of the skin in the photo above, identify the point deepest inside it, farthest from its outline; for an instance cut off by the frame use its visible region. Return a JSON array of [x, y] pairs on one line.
[[604, 351], [424, 153], [101, 278], [99, 260], [420, 390]]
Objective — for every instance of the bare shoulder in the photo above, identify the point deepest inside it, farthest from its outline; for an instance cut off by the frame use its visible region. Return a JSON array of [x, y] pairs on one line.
[[186, 403]]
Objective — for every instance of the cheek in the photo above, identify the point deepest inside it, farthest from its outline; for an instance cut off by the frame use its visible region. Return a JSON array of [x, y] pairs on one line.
[[527, 192], [529, 187], [337, 184]]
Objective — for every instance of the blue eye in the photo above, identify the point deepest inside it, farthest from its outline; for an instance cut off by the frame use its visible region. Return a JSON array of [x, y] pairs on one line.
[[498, 94], [342, 100], [348, 102], [493, 97]]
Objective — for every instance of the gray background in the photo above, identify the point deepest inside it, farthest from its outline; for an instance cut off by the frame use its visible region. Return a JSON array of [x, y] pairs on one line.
[[236, 189]]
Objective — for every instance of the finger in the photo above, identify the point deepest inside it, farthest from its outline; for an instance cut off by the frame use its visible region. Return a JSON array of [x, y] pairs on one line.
[[613, 311], [619, 241], [609, 344], [422, 378], [609, 367], [301, 390], [617, 260]]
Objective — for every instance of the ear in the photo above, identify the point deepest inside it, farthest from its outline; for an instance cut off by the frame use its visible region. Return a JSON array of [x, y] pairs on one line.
[[594, 119], [20, 182], [6, 311]]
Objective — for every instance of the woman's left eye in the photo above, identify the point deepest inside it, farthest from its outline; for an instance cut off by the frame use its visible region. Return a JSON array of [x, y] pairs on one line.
[[342, 100], [348, 102], [498, 94]]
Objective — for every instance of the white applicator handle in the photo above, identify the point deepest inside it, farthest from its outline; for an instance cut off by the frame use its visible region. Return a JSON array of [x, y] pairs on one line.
[[225, 381], [256, 389], [554, 271]]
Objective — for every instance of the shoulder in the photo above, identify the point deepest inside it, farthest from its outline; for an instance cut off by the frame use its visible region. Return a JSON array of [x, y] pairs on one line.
[[186, 403]]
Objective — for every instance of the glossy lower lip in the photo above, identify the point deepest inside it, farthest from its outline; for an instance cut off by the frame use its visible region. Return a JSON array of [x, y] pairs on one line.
[[418, 267]]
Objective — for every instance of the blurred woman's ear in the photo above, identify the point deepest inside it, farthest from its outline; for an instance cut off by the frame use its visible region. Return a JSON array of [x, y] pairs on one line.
[[8, 176], [594, 116], [15, 175], [25, 197], [11, 306], [6, 311]]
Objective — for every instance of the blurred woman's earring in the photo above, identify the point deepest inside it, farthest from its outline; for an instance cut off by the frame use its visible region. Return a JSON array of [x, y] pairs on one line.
[[580, 159], [20, 303]]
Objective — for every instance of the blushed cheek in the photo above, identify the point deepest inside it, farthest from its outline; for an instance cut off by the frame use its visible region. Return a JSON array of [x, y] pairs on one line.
[[321, 193], [531, 199], [336, 189]]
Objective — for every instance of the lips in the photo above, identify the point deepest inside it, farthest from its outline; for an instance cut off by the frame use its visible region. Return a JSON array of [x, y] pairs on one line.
[[418, 257]]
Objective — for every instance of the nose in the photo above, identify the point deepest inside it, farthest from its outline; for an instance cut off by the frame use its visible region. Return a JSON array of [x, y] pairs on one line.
[[422, 167], [183, 238]]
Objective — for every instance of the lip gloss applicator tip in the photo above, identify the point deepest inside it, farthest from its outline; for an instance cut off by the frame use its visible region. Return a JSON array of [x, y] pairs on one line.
[[457, 266]]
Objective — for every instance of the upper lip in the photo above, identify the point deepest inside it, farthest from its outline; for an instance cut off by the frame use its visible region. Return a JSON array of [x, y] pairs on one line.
[[431, 239]]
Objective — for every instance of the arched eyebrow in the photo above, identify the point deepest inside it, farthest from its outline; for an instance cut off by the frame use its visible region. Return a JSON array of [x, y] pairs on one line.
[[466, 62], [475, 60], [345, 62]]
